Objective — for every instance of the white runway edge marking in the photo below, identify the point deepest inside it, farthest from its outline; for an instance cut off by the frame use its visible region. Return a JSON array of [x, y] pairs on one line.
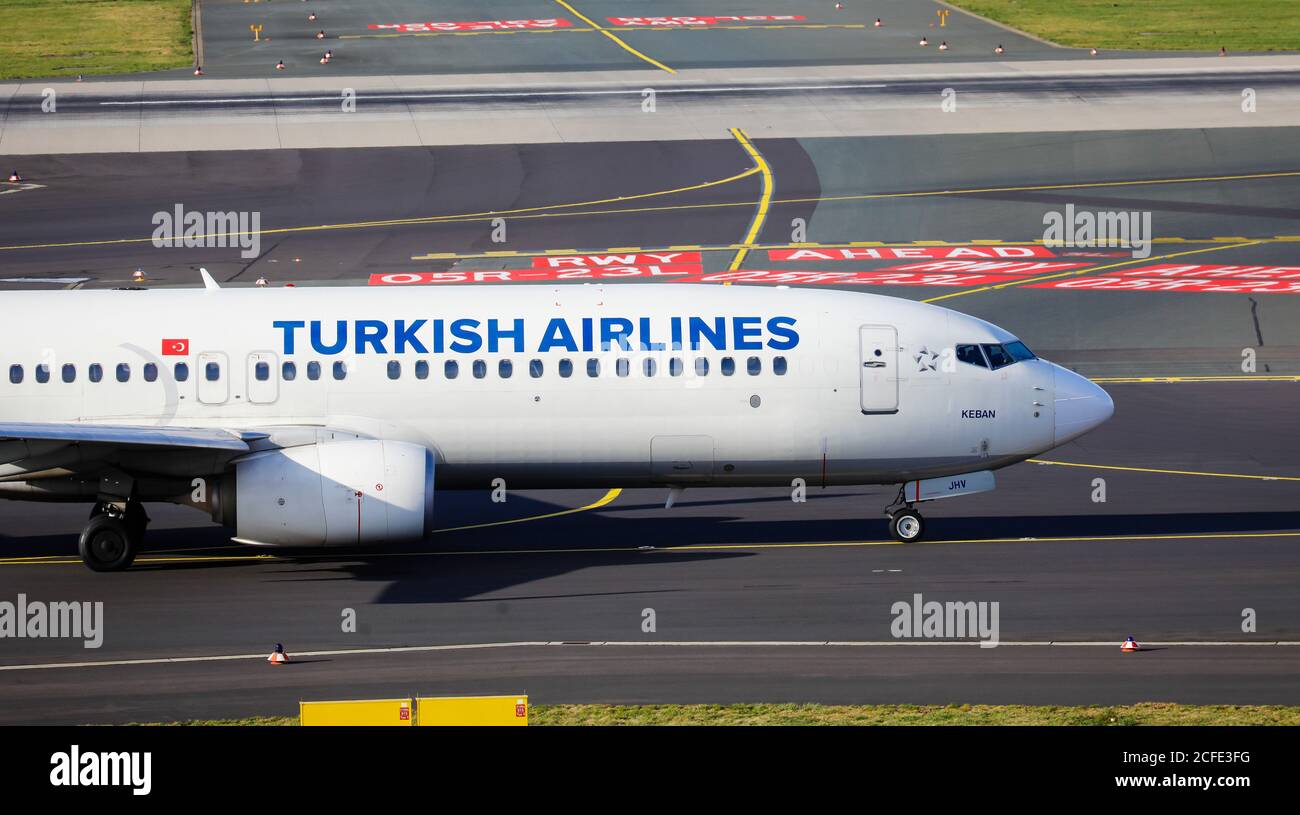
[[399, 97], [410, 649]]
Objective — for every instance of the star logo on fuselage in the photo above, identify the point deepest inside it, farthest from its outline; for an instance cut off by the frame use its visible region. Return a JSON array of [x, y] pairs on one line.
[[926, 360]]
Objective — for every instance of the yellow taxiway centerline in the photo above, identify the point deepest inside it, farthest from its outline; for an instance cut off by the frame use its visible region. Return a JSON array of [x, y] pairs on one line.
[[595, 25], [1081, 272], [764, 199], [1163, 472]]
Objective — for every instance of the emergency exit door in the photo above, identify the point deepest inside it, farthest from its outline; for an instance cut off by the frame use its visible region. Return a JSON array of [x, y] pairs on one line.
[[879, 368], [263, 378]]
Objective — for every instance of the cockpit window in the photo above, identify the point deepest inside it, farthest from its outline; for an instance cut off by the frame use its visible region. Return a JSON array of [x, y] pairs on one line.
[[994, 355], [998, 357], [971, 355], [1019, 351]]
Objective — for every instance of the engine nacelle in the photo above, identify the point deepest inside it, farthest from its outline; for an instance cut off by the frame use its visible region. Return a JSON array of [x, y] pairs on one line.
[[336, 493]]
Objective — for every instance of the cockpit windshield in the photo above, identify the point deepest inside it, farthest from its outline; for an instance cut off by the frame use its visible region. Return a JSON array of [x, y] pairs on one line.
[[993, 355]]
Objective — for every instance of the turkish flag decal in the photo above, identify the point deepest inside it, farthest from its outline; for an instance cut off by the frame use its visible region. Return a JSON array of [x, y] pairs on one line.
[[175, 347]]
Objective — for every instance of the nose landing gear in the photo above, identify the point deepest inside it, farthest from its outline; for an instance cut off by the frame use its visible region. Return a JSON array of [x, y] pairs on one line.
[[905, 522], [906, 525]]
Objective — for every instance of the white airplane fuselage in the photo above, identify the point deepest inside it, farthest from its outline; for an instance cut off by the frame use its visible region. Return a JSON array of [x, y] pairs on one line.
[[845, 388]]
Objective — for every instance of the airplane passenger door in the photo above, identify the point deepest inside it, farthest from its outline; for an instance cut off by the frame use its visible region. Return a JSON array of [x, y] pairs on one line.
[[879, 368], [263, 378], [214, 378]]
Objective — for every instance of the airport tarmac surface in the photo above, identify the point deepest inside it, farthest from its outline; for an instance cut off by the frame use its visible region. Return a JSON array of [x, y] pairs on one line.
[[1198, 525], [407, 37], [755, 597]]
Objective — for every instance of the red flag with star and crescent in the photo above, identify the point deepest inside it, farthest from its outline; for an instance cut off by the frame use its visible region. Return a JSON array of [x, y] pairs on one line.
[[175, 347]]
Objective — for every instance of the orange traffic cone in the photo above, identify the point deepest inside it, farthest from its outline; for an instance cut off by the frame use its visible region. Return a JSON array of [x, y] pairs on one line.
[[278, 656], [1130, 646], [943, 46], [879, 24], [198, 71], [279, 66], [924, 41], [14, 178], [998, 50]]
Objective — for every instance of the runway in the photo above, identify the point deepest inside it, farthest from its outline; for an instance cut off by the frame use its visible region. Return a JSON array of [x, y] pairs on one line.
[[1177, 522]]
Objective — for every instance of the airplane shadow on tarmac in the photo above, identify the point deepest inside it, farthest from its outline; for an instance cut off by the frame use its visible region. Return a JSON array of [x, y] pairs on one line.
[[457, 566]]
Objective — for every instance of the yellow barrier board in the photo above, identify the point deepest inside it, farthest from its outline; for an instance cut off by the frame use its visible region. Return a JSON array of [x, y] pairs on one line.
[[357, 713], [481, 711]]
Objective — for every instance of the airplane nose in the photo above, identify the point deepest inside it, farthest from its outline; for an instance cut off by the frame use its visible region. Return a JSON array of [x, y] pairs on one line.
[[1080, 405]]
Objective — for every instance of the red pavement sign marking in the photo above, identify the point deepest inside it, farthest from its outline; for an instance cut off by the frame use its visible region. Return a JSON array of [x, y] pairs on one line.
[[482, 25], [910, 252]]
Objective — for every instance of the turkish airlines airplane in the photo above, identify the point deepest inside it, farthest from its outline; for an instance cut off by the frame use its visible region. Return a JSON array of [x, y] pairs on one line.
[[330, 416]]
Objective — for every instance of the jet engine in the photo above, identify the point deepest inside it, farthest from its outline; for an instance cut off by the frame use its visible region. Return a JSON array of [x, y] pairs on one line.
[[335, 493]]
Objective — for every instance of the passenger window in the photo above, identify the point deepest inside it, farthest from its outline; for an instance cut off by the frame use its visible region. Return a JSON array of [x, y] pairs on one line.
[[779, 366], [480, 369], [998, 357], [421, 369], [313, 370], [69, 373], [566, 368], [593, 367], [505, 368], [701, 366], [971, 355], [288, 371], [340, 369], [675, 367], [261, 372], [211, 371], [754, 366], [535, 368], [42, 373], [622, 366], [451, 369], [123, 372], [150, 372], [95, 372], [181, 371], [649, 366], [728, 366], [16, 374], [394, 369]]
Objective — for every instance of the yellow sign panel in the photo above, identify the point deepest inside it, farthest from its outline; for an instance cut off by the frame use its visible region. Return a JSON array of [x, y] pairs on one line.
[[358, 713], [473, 711]]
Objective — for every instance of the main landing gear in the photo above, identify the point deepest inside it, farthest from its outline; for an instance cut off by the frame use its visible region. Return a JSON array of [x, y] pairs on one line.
[[112, 537], [905, 522]]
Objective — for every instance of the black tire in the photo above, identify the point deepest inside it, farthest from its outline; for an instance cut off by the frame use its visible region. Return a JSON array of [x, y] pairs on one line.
[[106, 545], [906, 526]]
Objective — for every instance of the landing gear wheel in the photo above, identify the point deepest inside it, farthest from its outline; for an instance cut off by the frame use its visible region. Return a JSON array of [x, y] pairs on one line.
[[906, 525], [106, 544]]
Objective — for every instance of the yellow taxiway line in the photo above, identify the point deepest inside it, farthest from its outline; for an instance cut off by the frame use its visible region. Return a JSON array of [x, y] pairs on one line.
[[1163, 472], [693, 547], [764, 199], [1080, 272], [595, 25]]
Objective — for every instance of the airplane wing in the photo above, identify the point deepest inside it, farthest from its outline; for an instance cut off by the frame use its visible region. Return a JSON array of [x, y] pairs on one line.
[[193, 438]]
